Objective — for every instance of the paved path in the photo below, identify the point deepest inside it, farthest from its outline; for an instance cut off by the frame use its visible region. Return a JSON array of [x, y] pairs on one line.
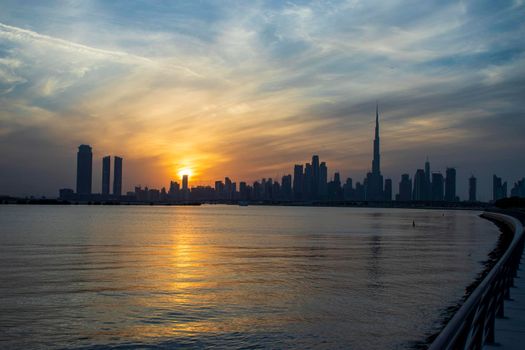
[[510, 330]]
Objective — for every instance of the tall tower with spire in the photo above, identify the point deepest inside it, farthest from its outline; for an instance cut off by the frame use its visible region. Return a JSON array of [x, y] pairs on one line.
[[376, 162], [374, 179]]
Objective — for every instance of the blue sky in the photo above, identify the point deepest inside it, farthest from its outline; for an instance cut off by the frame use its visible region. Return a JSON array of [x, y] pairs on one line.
[[248, 88]]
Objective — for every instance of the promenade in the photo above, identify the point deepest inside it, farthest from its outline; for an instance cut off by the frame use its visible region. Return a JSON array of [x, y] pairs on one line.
[[510, 330]]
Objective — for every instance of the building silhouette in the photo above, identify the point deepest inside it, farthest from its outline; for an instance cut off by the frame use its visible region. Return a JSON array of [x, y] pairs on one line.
[[374, 179], [84, 169], [106, 173], [322, 192], [472, 184], [405, 188], [518, 190], [315, 177], [428, 183], [499, 188], [388, 190], [438, 187], [419, 192], [117, 177], [450, 185], [298, 182]]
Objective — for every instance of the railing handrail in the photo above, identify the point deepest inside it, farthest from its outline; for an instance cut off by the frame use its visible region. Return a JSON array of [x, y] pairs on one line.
[[449, 335]]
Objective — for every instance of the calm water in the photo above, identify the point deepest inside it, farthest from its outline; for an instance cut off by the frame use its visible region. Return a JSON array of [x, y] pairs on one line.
[[232, 277]]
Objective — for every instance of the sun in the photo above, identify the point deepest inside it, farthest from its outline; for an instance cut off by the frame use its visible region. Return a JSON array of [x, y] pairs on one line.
[[185, 171]]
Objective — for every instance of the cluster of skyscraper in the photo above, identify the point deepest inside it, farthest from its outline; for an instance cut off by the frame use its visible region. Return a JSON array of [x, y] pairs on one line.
[[309, 183], [85, 177]]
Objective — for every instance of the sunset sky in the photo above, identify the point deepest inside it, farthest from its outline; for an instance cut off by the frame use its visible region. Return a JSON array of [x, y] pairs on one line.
[[246, 89]]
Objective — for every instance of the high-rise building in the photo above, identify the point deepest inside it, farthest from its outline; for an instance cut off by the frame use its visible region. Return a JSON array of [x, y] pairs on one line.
[[286, 187], [106, 173], [117, 177], [315, 177], [84, 169], [405, 188], [472, 184], [243, 191], [438, 187], [348, 190], [185, 188], [307, 182], [388, 190], [428, 182], [518, 190], [450, 185], [323, 179], [185, 182], [374, 180], [499, 188], [298, 182], [418, 194]]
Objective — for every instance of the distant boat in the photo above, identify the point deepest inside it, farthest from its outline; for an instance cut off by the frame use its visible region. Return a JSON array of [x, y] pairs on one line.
[[243, 203]]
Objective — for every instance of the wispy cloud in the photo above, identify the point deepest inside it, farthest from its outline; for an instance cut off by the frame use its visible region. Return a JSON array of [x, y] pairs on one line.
[[246, 89]]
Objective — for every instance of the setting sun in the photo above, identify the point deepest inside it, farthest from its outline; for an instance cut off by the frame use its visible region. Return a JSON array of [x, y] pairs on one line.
[[185, 171]]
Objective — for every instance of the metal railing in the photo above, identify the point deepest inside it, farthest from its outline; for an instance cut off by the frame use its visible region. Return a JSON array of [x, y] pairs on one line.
[[472, 325]]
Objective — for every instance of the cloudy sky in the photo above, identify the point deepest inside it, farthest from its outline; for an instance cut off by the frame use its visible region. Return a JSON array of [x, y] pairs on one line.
[[248, 88]]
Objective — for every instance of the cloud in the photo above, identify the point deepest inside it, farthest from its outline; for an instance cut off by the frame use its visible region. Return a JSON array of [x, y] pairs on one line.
[[248, 89]]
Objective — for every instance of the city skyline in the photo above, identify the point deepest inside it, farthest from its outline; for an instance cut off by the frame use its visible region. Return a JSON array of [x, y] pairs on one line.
[[309, 182], [250, 87]]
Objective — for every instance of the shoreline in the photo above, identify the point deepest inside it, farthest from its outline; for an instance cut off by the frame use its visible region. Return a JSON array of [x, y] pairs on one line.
[[503, 242]]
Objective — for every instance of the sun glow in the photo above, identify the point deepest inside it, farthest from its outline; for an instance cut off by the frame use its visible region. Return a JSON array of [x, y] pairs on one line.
[[185, 171]]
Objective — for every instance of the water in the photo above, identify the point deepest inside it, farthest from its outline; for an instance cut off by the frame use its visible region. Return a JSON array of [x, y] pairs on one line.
[[232, 277]]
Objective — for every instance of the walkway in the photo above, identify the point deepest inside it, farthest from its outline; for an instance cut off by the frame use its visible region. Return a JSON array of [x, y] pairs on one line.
[[510, 330]]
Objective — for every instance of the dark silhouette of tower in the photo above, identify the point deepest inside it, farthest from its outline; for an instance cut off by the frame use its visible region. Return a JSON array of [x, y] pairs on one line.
[[117, 177], [298, 182], [388, 190], [472, 184], [315, 176], [428, 182], [450, 185], [405, 188], [307, 182], [419, 185], [374, 180], [323, 179], [106, 172], [438, 187], [499, 188], [376, 162], [286, 187], [84, 169]]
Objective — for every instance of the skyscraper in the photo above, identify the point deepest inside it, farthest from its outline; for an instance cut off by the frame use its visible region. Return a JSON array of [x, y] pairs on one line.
[[323, 179], [472, 184], [418, 193], [405, 188], [438, 187], [106, 172], [450, 185], [315, 177], [185, 182], [428, 183], [117, 177], [307, 182], [499, 188], [185, 188], [298, 182], [374, 181], [286, 187], [84, 169], [388, 190]]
